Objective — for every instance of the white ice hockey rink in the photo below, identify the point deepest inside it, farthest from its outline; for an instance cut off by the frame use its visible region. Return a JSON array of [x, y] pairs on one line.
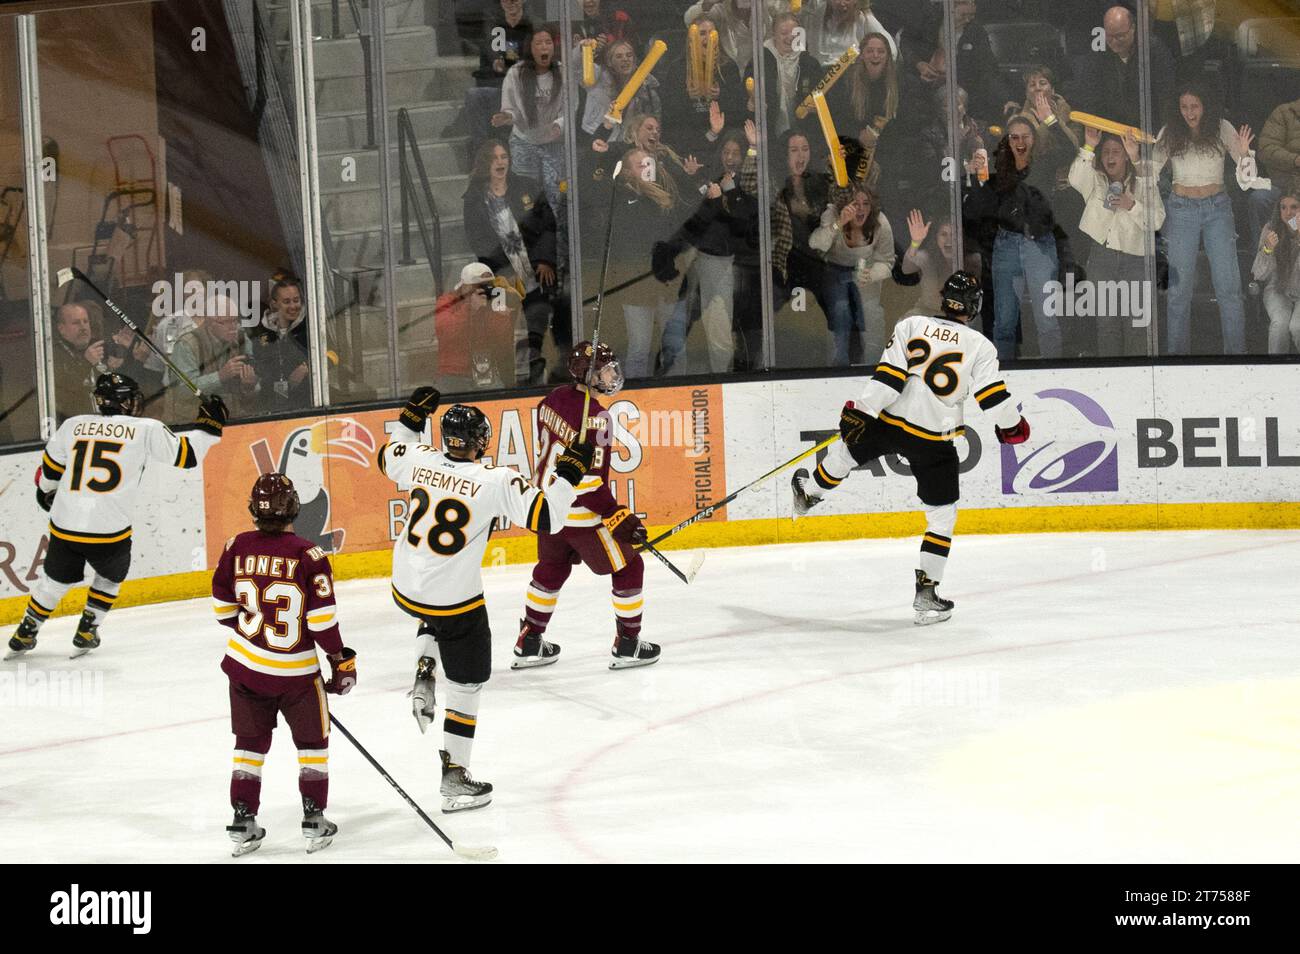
[[1121, 697]]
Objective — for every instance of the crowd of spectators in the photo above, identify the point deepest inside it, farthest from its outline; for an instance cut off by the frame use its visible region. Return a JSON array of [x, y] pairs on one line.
[[1190, 203]]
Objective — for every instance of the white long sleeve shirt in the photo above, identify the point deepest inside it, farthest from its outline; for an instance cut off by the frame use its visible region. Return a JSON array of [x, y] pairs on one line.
[[1124, 230]]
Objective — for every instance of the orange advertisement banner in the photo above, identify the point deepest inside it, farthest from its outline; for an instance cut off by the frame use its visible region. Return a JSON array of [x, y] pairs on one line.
[[669, 461]]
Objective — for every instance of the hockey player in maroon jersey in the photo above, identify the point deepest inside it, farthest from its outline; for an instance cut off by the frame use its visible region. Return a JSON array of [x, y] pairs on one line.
[[598, 531], [276, 593]]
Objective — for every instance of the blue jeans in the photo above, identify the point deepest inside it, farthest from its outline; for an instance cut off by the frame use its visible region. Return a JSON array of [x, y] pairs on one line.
[[843, 311], [545, 164], [1020, 258], [713, 276], [1186, 222]]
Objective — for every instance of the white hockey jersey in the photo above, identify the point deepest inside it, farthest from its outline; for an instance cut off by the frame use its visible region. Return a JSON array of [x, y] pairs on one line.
[[97, 461], [928, 369], [438, 556]]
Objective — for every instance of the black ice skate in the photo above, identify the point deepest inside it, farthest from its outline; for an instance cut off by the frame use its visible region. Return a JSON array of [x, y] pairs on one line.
[[423, 704], [87, 637], [531, 650], [316, 828], [631, 651], [24, 638], [930, 607], [459, 791], [803, 501], [244, 831]]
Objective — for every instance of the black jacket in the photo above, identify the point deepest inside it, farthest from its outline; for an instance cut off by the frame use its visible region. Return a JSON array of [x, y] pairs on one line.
[[1025, 208], [534, 216]]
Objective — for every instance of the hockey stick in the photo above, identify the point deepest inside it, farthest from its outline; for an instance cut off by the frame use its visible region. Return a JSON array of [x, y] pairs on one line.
[[470, 854], [600, 299], [711, 508], [66, 275], [686, 577]]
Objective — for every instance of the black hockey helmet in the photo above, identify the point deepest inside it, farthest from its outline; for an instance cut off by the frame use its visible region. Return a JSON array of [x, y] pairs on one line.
[[466, 431], [606, 376], [273, 500], [118, 394], [962, 296]]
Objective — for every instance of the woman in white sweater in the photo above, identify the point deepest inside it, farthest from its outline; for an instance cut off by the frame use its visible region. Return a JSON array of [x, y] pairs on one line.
[[1118, 220], [1277, 266], [858, 244]]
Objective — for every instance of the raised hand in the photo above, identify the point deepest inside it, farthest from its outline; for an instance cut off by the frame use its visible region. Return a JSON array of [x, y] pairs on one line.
[[751, 132], [1244, 138], [1042, 106], [717, 118], [917, 226], [1131, 146], [1270, 240], [692, 165], [1091, 136]]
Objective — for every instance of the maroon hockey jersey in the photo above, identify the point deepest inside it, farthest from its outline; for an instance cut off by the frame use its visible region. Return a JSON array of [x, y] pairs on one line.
[[558, 418], [275, 592]]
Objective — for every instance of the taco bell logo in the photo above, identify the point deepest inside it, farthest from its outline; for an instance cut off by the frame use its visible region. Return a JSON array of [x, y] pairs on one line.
[[1076, 454]]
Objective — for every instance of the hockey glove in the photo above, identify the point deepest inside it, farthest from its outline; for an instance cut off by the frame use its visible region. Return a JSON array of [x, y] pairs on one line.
[[423, 706], [1013, 435], [212, 415], [574, 462], [626, 527], [853, 424], [344, 675], [423, 402], [45, 501], [663, 260]]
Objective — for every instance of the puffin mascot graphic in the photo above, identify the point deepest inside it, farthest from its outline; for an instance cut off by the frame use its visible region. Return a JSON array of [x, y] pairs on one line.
[[302, 460]]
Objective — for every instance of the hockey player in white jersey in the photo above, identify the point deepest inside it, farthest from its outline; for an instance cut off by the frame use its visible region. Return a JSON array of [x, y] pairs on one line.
[[912, 406], [87, 482], [456, 502]]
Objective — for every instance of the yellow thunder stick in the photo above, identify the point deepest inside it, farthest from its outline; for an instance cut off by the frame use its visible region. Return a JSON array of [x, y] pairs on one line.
[[1108, 125], [693, 63], [589, 63], [710, 63], [615, 114], [836, 70], [832, 139], [796, 6]]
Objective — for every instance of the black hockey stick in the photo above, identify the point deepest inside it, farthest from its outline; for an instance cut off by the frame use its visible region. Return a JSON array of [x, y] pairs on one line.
[[471, 854], [686, 577], [66, 275], [708, 511], [600, 299]]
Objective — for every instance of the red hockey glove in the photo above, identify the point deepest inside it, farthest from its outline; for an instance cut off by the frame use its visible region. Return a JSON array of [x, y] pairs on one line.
[[1013, 435], [344, 675], [626, 527]]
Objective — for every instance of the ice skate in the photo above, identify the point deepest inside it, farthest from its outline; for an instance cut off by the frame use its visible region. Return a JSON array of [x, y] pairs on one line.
[[459, 791], [531, 650], [87, 637], [632, 651], [244, 831], [23, 640], [316, 828], [930, 607], [423, 704], [803, 501]]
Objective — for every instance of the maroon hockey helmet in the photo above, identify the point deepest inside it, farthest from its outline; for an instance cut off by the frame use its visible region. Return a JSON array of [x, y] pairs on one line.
[[606, 376], [273, 499]]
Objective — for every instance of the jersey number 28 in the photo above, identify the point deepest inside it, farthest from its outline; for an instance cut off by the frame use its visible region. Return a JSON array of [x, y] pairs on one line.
[[450, 517]]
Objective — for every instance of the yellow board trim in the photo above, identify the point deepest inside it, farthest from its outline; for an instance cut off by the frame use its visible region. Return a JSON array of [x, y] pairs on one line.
[[740, 533]]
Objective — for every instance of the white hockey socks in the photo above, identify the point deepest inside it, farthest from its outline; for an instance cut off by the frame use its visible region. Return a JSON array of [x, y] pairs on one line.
[[461, 720], [937, 541]]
